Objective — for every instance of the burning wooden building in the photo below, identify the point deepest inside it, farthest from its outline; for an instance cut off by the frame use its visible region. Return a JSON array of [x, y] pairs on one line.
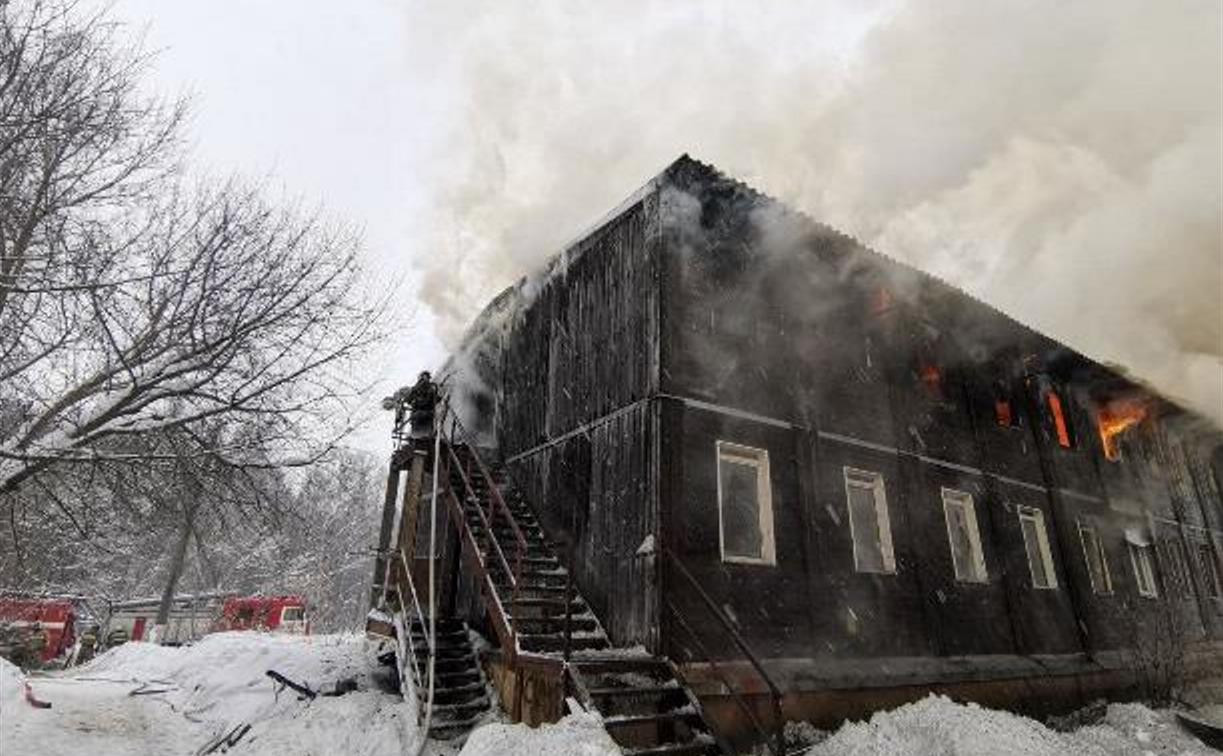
[[803, 480]]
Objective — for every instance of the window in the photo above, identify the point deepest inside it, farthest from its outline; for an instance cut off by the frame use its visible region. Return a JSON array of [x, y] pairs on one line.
[[1176, 571], [1004, 413], [745, 504], [1060, 426], [965, 538], [1178, 565], [932, 378], [1144, 569], [1036, 544], [1210, 573], [292, 614], [869, 526], [1097, 562]]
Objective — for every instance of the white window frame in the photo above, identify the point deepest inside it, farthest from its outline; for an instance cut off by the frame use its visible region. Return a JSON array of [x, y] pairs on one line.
[[955, 497], [758, 458], [1037, 516], [1143, 562], [1108, 575], [879, 493]]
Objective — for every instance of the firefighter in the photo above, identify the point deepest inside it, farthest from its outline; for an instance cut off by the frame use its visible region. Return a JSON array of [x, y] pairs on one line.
[[421, 400], [89, 644]]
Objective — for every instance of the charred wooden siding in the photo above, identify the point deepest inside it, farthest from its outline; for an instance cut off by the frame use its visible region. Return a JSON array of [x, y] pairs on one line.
[[706, 312], [783, 335], [585, 344], [580, 362]]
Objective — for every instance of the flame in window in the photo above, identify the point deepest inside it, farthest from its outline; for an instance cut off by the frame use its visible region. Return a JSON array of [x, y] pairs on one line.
[[1003, 412], [932, 378], [1059, 420], [1116, 417]]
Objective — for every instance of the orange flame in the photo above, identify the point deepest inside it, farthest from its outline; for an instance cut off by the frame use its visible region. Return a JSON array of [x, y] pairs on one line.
[[1114, 419], [933, 379]]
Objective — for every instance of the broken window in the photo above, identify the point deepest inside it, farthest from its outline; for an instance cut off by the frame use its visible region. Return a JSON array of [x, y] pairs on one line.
[[966, 554], [1036, 544], [1210, 572], [1097, 562], [869, 526], [1144, 569], [1113, 419], [1004, 413], [745, 504], [932, 378], [1058, 415]]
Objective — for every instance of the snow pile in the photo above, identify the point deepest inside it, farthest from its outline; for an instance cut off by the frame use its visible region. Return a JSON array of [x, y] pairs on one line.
[[12, 687], [141, 698], [579, 734], [938, 726]]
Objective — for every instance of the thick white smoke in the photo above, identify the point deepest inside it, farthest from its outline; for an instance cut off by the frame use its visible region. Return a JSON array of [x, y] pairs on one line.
[[1061, 161]]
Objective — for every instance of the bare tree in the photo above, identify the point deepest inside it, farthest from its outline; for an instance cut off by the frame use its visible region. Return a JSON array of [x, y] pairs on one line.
[[132, 304]]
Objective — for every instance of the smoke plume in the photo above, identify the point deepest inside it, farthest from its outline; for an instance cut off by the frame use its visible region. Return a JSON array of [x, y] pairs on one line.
[[1062, 161]]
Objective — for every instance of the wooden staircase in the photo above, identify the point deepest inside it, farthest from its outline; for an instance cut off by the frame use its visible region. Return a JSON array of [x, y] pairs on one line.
[[538, 613], [460, 694]]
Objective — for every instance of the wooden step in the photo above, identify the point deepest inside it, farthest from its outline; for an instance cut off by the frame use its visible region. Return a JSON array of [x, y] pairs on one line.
[[555, 642], [537, 607], [701, 746], [555, 624]]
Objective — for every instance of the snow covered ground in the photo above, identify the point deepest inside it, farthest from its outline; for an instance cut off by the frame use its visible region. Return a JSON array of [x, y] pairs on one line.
[[209, 688], [190, 695], [220, 683], [936, 726]]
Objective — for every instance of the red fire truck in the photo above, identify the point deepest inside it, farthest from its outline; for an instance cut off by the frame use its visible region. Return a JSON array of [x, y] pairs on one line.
[[53, 619], [284, 614]]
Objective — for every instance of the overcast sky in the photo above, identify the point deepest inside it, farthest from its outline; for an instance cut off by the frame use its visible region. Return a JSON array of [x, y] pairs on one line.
[[351, 105], [325, 101], [1061, 161]]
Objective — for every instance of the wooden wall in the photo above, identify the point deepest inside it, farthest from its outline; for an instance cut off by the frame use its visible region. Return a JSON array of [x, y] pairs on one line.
[[784, 335], [579, 364]]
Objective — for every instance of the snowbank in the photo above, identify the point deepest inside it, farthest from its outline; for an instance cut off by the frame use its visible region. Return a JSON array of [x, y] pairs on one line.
[[938, 726], [580, 734], [200, 691], [12, 688]]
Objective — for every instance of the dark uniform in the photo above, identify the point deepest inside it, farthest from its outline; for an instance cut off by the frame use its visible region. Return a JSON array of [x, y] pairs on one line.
[[422, 400]]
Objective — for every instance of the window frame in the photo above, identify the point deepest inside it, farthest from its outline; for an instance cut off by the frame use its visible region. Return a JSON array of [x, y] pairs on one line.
[[1043, 548], [878, 489], [1108, 576], [759, 458], [1144, 569], [956, 497]]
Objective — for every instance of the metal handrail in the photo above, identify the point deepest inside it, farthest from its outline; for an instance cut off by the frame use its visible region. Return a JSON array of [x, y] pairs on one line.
[[411, 581], [774, 691], [484, 473], [497, 506], [749, 711]]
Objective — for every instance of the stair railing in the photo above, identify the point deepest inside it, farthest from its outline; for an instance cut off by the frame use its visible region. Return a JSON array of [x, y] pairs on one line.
[[416, 609], [773, 737], [488, 518]]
